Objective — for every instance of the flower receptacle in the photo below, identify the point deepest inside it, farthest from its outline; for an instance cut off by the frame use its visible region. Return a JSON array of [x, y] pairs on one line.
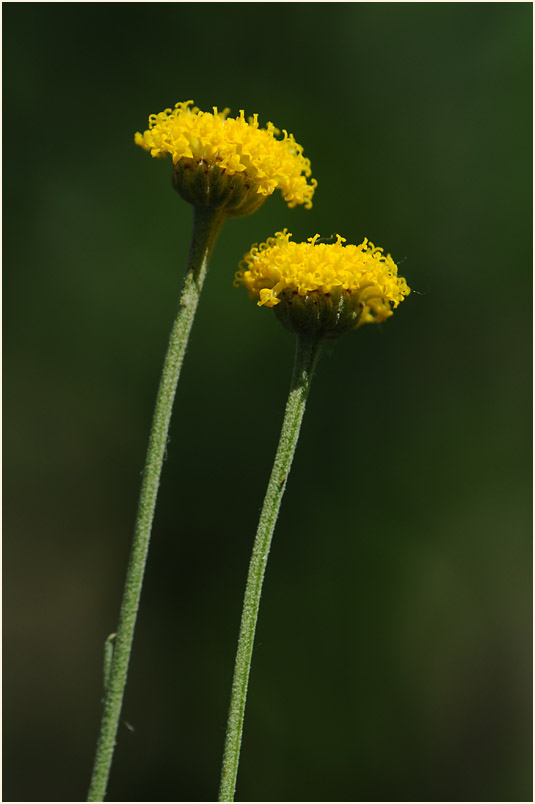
[[323, 315], [207, 185]]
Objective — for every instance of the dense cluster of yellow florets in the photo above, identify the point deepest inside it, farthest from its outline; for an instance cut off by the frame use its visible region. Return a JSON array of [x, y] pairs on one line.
[[236, 145], [313, 267]]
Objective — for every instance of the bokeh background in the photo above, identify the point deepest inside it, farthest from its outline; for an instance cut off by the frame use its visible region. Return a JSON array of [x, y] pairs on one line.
[[393, 654]]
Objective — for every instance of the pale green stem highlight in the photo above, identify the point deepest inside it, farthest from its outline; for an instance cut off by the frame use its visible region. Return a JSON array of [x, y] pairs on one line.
[[305, 361], [206, 226]]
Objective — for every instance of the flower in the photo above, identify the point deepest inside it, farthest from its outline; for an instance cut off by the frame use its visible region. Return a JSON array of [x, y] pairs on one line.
[[228, 162], [321, 288]]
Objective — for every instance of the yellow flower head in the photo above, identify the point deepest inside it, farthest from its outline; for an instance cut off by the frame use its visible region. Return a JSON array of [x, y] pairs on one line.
[[235, 147], [322, 288]]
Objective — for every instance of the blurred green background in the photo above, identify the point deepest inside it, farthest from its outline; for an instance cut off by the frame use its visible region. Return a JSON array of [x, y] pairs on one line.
[[393, 653]]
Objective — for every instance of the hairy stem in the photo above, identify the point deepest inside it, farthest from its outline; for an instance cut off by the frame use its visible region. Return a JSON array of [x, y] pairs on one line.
[[305, 361], [206, 227]]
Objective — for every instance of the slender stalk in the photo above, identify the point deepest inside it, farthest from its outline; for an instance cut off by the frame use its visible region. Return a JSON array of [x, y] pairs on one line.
[[305, 361], [206, 227]]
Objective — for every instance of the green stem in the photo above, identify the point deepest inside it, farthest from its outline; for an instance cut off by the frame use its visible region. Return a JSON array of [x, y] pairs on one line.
[[305, 361], [206, 227]]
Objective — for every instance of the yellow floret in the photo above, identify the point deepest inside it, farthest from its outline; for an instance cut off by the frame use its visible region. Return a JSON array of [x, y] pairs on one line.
[[313, 268], [236, 145]]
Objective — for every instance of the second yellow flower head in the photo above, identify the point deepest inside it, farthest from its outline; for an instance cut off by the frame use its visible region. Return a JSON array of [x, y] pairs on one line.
[[322, 288]]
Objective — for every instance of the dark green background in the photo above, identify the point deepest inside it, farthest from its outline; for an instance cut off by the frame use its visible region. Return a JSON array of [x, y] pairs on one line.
[[393, 654]]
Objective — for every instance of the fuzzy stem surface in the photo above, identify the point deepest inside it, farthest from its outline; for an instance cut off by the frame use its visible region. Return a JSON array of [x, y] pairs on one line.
[[206, 226], [305, 361]]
